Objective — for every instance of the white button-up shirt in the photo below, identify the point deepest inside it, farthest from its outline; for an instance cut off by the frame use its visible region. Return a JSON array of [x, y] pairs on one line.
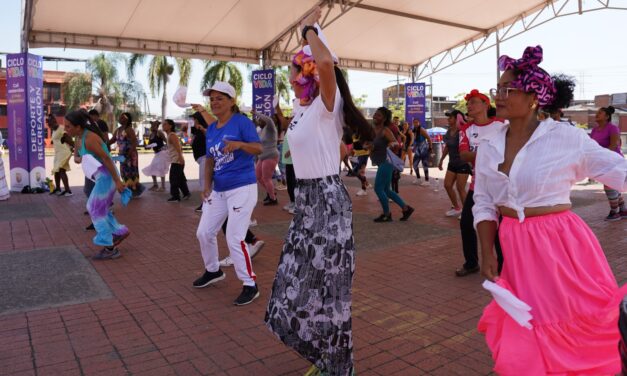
[[544, 170]]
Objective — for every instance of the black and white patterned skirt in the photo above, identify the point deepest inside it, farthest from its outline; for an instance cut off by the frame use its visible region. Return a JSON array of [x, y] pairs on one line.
[[310, 305]]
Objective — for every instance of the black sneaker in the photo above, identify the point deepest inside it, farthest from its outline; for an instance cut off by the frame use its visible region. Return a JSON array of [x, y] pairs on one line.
[[271, 202], [66, 194], [266, 199], [407, 213], [55, 192], [209, 278], [174, 199], [90, 227], [198, 209], [249, 293], [107, 254], [186, 197], [384, 218]]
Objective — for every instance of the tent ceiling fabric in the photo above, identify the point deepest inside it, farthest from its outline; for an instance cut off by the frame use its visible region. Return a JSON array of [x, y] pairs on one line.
[[379, 35]]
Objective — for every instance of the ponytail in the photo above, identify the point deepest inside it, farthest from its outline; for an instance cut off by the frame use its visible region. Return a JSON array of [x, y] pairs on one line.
[[352, 116], [82, 119]]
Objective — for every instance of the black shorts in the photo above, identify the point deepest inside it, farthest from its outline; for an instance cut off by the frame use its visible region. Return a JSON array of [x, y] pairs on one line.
[[460, 169]]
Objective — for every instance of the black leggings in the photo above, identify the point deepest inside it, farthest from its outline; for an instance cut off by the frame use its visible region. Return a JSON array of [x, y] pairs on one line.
[[290, 179], [469, 236]]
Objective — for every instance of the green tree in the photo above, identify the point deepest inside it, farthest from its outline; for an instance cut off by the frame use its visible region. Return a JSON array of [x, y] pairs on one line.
[[159, 71], [282, 83], [105, 78], [76, 89], [222, 71], [360, 101]]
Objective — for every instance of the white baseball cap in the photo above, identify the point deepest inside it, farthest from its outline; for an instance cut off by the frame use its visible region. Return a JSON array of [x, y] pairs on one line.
[[222, 87]]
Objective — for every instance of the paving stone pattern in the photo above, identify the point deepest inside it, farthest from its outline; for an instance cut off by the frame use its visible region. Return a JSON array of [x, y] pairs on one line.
[[411, 315]]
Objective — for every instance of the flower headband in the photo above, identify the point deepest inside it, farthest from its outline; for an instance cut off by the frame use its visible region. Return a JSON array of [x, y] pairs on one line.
[[478, 94], [308, 77], [532, 78]]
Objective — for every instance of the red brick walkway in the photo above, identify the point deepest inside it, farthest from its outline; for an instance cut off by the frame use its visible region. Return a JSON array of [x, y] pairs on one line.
[[411, 315]]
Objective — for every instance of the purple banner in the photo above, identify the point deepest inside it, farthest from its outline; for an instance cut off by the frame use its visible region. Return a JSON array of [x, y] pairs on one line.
[[25, 120], [263, 91], [415, 103]]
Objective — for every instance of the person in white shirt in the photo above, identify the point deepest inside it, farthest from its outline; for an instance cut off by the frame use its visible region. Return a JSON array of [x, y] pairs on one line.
[[553, 261], [317, 263]]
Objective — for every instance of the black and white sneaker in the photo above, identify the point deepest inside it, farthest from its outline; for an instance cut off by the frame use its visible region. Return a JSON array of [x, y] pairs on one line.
[[66, 194], [186, 197], [249, 293], [90, 227], [209, 278], [198, 209], [56, 192], [174, 199]]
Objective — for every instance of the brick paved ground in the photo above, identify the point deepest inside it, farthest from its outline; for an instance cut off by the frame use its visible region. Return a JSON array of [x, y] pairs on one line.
[[411, 315]]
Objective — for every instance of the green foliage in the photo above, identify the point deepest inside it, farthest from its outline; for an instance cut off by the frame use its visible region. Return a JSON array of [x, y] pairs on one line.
[[222, 71], [360, 101], [76, 89], [159, 71]]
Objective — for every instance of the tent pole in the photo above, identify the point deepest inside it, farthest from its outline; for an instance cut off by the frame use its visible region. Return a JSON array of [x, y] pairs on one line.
[[498, 54]]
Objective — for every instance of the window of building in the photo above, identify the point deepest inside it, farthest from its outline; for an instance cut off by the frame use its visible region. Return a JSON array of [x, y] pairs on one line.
[[3, 110], [52, 92]]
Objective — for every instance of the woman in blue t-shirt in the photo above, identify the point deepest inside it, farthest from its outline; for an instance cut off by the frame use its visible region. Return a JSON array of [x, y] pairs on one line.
[[230, 190]]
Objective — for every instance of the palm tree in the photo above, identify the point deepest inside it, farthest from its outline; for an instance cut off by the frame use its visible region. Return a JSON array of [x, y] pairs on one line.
[[76, 89], [282, 83], [104, 73], [159, 72], [222, 71]]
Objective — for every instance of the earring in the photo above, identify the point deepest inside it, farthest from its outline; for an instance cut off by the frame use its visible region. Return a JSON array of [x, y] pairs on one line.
[[534, 105]]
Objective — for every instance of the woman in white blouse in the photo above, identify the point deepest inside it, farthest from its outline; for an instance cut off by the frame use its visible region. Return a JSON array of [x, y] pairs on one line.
[[553, 261], [310, 306]]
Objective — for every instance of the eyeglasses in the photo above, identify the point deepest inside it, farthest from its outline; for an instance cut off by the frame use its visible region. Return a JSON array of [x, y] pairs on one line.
[[502, 92]]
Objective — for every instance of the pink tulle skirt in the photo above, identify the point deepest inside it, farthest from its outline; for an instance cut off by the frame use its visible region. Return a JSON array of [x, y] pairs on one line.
[[555, 264]]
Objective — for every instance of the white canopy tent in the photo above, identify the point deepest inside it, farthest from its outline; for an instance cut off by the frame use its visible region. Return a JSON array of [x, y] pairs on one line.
[[411, 37]]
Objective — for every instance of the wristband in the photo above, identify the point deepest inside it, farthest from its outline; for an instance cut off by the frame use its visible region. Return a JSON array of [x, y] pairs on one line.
[[306, 29]]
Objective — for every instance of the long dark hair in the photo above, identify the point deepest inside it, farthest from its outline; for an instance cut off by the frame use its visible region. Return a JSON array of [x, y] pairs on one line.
[[352, 116], [387, 116], [81, 118], [128, 116]]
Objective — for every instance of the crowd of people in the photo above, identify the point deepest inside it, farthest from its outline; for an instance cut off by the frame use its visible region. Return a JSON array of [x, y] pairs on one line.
[[516, 211]]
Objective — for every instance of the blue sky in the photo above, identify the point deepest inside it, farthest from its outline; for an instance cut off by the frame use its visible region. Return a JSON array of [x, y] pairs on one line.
[[588, 47]]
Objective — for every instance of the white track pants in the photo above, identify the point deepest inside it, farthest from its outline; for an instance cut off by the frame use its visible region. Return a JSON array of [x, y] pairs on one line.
[[238, 205]]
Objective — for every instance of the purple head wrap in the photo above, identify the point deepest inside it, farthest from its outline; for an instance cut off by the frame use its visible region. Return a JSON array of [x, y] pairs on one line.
[[532, 78]]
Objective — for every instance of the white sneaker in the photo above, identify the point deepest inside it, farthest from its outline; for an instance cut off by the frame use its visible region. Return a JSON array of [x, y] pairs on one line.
[[256, 248], [253, 223], [368, 185], [292, 210], [227, 261], [361, 192], [425, 184], [288, 206], [416, 181], [453, 212]]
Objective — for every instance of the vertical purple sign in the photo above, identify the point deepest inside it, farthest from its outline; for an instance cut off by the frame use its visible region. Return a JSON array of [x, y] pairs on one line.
[[25, 120], [415, 102], [263, 91], [36, 146]]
